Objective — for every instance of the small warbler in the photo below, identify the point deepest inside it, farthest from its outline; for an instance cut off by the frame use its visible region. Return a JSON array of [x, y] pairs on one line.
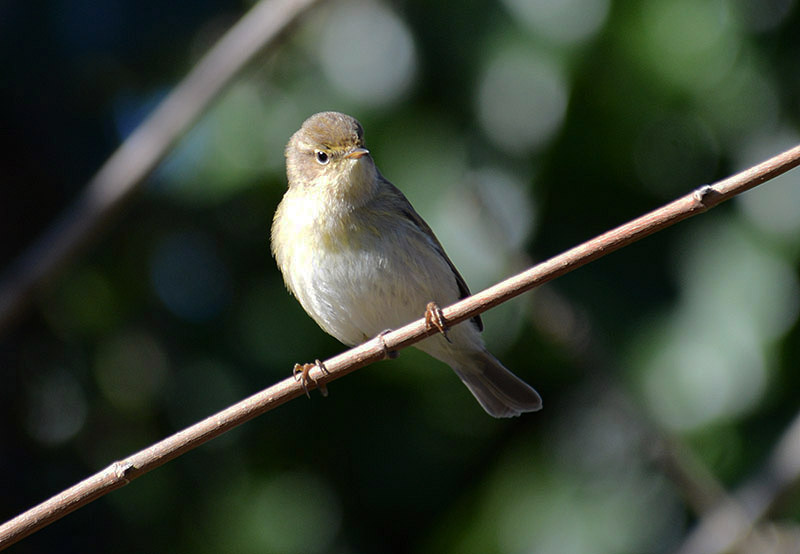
[[361, 260]]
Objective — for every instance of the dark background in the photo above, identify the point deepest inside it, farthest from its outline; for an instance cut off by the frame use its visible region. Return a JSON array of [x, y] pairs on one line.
[[517, 129]]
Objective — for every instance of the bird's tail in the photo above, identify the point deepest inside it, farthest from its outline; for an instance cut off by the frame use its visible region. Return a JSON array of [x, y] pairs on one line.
[[500, 392]]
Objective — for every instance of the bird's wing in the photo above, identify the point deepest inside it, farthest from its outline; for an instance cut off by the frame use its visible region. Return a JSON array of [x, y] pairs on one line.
[[408, 211]]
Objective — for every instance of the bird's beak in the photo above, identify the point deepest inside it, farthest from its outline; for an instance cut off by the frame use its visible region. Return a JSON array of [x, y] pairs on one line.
[[356, 153]]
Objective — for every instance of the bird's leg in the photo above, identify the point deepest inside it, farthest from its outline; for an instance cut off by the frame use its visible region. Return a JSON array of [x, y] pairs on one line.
[[303, 371], [434, 318]]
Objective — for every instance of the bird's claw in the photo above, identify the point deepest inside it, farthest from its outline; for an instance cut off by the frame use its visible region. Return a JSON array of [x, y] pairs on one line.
[[434, 319], [301, 373]]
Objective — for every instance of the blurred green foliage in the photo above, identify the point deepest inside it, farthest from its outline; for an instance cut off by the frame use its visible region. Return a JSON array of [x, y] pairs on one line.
[[517, 128]]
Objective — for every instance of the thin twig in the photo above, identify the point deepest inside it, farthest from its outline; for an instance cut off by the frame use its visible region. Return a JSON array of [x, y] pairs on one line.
[[700, 200], [122, 472], [124, 172], [732, 520], [698, 486]]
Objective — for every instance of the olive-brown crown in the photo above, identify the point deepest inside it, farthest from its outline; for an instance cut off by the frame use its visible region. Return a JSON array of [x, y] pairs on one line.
[[331, 131]]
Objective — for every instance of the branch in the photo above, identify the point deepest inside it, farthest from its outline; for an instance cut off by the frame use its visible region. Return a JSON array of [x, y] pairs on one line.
[[124, 172], [700, 489], [731, 521], [123, 472]]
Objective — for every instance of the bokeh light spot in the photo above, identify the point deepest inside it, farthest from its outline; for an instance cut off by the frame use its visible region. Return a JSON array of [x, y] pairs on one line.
[[522, 100], [85, 303], [290, 513], [709, 360], [689, 44], [775, 207], [131, 369], [367, 52], [56, 407], [693, 380], [563, 21]]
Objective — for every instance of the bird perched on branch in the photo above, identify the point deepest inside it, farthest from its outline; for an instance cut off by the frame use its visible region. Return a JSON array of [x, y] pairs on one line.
[[361, 260]]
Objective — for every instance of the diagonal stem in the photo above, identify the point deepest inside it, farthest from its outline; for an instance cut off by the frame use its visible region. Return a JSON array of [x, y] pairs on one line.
[[123, 174], [122, 472]]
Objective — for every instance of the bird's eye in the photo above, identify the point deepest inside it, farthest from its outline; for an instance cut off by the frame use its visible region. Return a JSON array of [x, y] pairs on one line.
[[322, 157]]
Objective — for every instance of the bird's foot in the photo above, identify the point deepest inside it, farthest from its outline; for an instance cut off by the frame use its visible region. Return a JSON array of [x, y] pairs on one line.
[[301, 373], [434, 319]]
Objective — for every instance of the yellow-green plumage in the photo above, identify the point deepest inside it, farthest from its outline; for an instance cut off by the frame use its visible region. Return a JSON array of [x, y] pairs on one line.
[[360, 260]]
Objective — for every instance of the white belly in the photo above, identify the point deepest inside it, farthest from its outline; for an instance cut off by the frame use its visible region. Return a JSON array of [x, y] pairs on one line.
[[355, 293], [360, 282]]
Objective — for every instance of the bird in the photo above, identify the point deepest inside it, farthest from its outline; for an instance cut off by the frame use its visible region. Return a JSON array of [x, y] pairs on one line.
[[360, 259]]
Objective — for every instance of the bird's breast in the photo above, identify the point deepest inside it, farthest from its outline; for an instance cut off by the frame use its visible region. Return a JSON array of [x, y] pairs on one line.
[[361, 271]]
